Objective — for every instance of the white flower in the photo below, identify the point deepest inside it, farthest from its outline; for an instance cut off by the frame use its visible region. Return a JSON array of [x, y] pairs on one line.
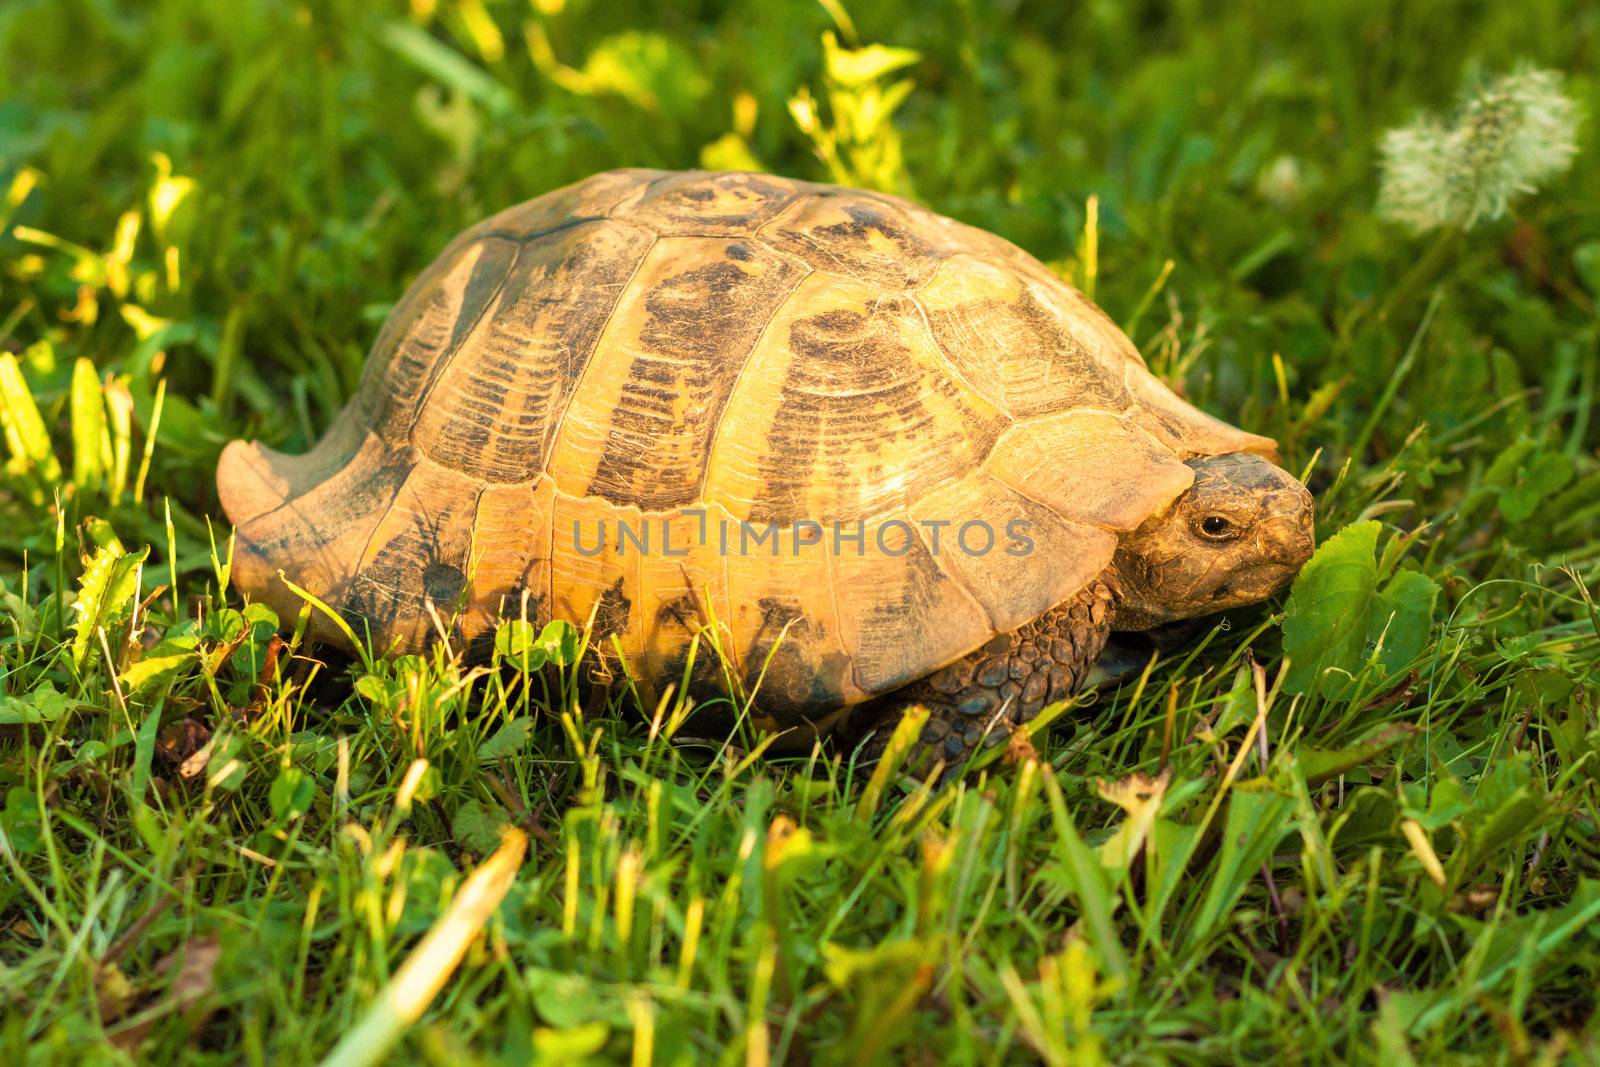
[[1281, 183], [1518, 131]]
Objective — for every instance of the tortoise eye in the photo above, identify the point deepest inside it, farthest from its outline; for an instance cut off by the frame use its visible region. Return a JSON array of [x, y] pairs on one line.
[[1217, 528]]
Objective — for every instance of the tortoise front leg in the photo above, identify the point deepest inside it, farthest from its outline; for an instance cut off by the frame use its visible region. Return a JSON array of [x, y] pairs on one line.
[[1127, 654], [980, 698]]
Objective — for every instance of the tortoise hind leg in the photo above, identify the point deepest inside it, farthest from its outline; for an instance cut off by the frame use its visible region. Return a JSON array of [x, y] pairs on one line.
[[980, 698]]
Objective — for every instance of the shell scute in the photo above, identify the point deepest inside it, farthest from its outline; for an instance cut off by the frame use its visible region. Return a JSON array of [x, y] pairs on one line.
[[782, 617], [497, 403], [685, 583], [419, 554], [866, 239], [793, 665], [1010, 534], [727, 203], [899, 610], [1186, 429], [845, 411], [321, 533], [599, 196], [510, 539], [427, 326], [1014, 347], [638, 430], [594, 570], [1090, 467]]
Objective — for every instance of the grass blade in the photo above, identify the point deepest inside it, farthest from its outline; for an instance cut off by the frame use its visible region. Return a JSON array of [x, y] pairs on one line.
[[25, 434], [88, 427], [1089, 882], [436, 957]]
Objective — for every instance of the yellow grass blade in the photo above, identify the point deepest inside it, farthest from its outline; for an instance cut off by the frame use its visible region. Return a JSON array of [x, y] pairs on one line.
[[434, 960]]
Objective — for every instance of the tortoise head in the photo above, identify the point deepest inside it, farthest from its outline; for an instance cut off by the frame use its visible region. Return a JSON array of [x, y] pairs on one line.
[[1236, 536]]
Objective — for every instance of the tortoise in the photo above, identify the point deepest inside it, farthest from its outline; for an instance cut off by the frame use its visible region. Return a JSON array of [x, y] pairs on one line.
[[875, 456]]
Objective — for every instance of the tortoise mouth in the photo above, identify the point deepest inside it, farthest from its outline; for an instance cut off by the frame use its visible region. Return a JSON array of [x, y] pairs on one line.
[[1254, 583]]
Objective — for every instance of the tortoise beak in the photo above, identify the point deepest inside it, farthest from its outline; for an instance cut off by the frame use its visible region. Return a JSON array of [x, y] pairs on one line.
[[1291, 543]]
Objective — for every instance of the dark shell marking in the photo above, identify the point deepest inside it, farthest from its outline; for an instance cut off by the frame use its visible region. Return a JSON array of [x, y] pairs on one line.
[[688, 335], [858, 399], [501, 395]]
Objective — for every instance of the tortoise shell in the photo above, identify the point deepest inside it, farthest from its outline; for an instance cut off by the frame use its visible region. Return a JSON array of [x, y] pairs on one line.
[[680, 363]]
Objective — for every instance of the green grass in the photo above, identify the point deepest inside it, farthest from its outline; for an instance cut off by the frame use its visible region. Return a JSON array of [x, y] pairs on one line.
[[217, 847]]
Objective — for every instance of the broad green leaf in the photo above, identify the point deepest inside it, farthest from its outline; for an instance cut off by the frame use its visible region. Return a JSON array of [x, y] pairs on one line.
[[1446, 802], [42, 705], [1172, 845], [1239, 706], [859, 66], [1337, 619], [1509, 462], [518, 641], [98, 533], [570, 1001], [1508, 806], [17, 611], [1549, 473], [1320, 764], [167, 194], [93, 589], [262, 618], [121, 587], [251, 656], [1402, 618], [1518, 503], [574, 1044], [425, 876], [224, 767], [159, 665], [21, 821], [476, 826], [559, 640], [291, 794], [1526, 478], [1544, 688], [373, 689], [226, 623], [506, 741], [1325, 623]]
